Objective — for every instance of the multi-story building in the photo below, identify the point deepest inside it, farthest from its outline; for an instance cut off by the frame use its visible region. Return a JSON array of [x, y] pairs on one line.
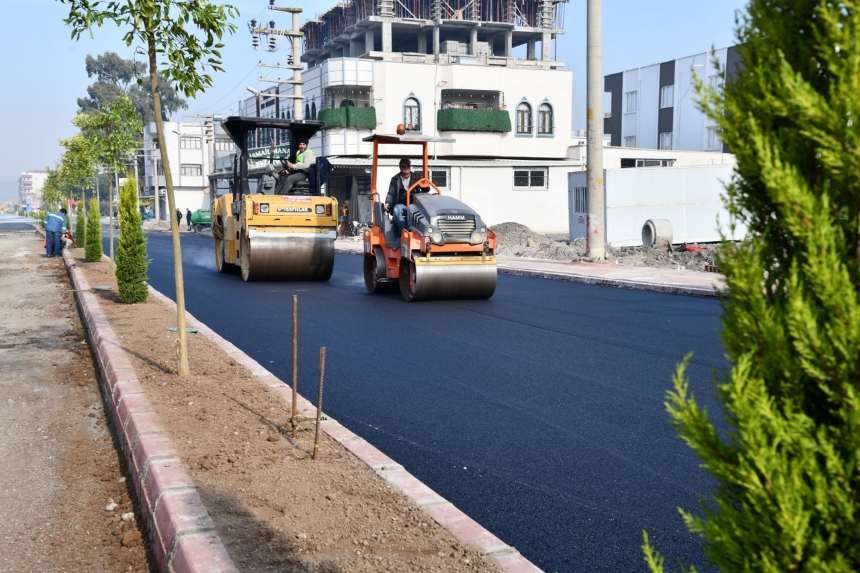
[[654, 107], [30, 186], [192, 149], [478, 71]]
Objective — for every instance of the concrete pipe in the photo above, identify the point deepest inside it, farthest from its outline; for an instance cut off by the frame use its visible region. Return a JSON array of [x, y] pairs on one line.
[[657, 233]]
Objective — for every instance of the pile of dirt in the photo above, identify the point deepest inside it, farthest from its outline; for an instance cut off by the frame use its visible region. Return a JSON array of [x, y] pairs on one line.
[[516, 240]]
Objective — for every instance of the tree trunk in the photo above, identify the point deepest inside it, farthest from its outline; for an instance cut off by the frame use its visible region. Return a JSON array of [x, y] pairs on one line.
[[171, 208]]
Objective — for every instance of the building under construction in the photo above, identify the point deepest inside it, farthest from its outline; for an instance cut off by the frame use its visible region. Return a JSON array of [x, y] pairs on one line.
[[485, 29]]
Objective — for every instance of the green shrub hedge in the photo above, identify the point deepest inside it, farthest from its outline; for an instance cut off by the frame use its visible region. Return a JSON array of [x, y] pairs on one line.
[[473, 120]]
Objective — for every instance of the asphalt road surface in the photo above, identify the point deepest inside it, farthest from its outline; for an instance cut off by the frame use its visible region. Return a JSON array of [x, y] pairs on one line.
[[539, 412]]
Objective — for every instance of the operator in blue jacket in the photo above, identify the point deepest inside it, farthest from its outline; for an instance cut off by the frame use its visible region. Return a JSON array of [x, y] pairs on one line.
[[55, 226]]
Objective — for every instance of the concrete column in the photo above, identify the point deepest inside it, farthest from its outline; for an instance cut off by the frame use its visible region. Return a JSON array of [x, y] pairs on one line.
[[386, 37], [509, 44], [595, 238], [436, 40], [473, 41], [530, 49], [354, 48], [546, 44], [368, 40]]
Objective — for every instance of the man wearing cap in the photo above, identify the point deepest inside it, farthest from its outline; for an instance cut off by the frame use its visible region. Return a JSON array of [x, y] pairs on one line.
[[395, 201], [299, 170]]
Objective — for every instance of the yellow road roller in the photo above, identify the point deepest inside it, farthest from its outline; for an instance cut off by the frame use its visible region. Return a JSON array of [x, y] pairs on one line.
[[444, 252], [270, 235]]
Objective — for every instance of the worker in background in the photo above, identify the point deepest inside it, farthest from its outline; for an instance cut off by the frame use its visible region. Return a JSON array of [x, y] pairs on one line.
[[297, 171], [395, 201], [178, 217], [188, 217], [55, 225]]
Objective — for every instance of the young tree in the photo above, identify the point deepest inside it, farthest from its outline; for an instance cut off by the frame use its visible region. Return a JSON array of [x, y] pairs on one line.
[[77, 165], [131, 260], [788, 471], [52, 189], [166, 28], [115, 132], [93, 249]]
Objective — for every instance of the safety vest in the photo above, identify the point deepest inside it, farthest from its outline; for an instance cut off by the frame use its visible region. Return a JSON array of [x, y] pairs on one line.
[[300, 158]]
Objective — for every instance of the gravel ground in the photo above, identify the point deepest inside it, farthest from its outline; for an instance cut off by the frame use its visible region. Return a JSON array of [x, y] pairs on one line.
[[514, 239]]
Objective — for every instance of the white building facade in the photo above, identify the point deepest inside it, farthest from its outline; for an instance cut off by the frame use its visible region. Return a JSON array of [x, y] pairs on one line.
[[446, 70], [654, 107], [30, 185], [192, 148]]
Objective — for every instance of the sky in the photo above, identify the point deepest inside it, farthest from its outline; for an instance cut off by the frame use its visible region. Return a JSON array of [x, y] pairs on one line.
[[44, 69]]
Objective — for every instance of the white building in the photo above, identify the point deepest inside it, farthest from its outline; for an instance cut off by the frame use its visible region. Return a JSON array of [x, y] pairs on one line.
[[654, 106], [192, 148], [30, 186], [479, 72]]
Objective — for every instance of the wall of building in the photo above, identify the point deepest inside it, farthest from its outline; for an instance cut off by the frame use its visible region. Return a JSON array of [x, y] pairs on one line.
[[689, 197]]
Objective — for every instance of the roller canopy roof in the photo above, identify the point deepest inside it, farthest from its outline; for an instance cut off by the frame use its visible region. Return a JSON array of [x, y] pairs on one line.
[[406, 138], [238, 127]]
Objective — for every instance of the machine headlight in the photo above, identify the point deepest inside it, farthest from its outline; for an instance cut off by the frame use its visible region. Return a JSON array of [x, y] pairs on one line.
[[264, 207], [429, 230], [476, 238], [320, 209], [437, 238]]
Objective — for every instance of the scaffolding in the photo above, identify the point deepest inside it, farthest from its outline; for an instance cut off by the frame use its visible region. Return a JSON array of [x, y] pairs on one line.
[[546, 14]]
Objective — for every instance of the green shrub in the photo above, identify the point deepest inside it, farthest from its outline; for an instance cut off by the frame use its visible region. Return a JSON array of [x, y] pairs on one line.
[[93, 249], [788, 469], [80, 225], [131, 259], [350, 116]]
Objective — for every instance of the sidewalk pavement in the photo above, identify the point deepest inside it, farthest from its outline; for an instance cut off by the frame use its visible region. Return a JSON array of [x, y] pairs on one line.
[[676, 281], [180, 526]]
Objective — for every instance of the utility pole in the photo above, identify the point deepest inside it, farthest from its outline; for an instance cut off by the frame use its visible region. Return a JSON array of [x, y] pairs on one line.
[[295, 34], [595, 238]]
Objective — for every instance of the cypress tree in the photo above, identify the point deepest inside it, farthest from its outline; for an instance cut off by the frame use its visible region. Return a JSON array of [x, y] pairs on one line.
[[93, 250], [788, 469], [131, 260], [80, 225]]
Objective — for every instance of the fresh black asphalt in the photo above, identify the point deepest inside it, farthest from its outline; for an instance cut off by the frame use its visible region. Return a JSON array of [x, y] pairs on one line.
[[540, 412]]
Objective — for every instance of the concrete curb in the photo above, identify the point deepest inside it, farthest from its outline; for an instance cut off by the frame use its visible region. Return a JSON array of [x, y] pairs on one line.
[[618, 283], [592, 279], [461, 526], [183, 535]]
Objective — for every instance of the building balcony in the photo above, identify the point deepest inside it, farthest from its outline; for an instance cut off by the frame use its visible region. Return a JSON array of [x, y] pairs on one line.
[[494, 120], [349, 116]]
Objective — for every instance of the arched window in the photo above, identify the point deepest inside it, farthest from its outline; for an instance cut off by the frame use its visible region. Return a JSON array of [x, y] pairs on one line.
[[412, 114], [545, 119], [524, 119], [307, 111], [314, 110]]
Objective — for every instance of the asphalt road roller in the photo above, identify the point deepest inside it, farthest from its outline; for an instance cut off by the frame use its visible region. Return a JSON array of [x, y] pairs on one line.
[[445, 252], [268, 235]]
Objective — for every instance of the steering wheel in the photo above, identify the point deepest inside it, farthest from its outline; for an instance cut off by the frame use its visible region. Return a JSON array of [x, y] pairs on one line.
[[423, 182]]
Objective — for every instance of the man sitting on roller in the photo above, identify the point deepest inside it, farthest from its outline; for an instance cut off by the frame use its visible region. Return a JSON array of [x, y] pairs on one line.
[[298, 171], [395, 201]]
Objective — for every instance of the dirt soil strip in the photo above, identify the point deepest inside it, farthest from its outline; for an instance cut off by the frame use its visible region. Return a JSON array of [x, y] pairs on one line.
[[223, 484]]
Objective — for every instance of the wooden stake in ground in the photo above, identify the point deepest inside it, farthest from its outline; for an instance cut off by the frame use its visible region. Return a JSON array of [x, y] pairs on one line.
[[319, 403], [293, 421]]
